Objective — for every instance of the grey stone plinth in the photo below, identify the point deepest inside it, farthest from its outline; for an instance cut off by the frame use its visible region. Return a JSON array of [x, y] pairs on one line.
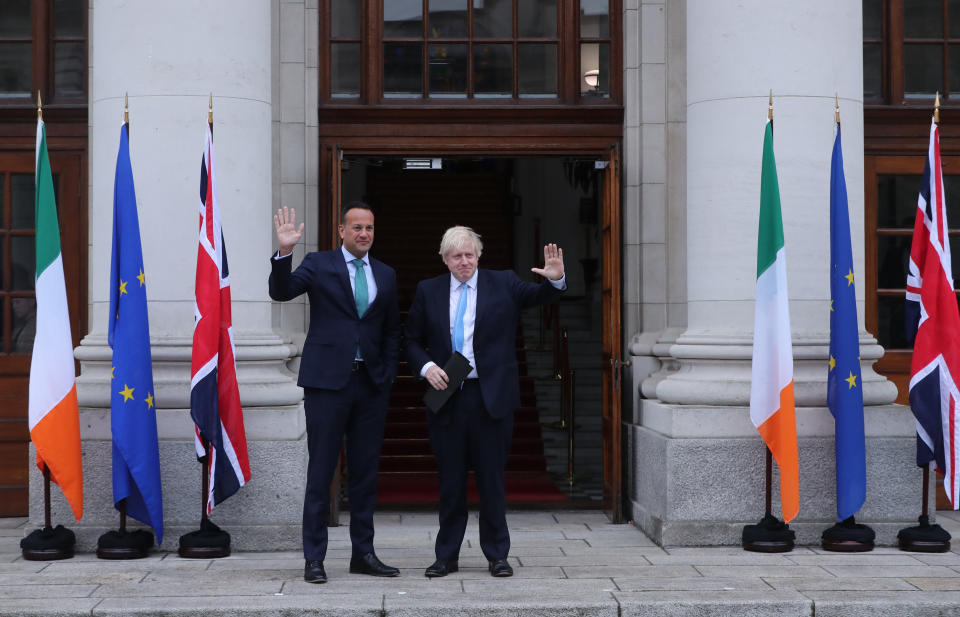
[[697, 489], [265, 514]]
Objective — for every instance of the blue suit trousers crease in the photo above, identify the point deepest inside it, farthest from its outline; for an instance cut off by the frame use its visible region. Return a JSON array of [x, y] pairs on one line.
[[468, 437], [358, 411]]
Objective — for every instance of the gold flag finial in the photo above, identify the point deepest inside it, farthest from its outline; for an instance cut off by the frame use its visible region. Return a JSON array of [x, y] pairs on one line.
[[936, 109], [210, 110], [836, 108], [126, 108], [39, 107], [770, 106]]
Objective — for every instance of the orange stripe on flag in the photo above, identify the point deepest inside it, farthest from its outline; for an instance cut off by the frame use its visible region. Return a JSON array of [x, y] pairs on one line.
[[57, 440], [780, 433]]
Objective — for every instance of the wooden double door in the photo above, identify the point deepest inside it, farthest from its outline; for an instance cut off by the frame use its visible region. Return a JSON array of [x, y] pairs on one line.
[[18, 300], [450, 211]]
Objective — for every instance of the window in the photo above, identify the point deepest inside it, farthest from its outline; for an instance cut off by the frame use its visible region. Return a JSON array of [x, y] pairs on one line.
[[911, 50], [43, 48], [594, 48], [893, 185], [440, 51], [17, 300]]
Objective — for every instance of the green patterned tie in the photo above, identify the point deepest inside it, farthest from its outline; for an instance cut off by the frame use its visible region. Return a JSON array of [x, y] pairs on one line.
[[360, 287]]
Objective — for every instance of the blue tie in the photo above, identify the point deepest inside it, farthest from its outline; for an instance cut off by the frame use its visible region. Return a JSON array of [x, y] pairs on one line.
[[360, 285], [360, 293], [458, 323]]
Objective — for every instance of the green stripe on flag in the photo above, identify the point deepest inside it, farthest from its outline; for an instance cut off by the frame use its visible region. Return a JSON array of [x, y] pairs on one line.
[[770, 236], [48, 232]]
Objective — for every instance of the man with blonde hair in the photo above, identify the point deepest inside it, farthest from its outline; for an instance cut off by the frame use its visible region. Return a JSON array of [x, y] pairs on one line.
[[474, 312]]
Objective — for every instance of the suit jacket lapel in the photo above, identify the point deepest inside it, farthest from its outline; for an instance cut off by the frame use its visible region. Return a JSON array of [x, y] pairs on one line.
[[443, 301], [377, 269], [340, 266], [482, 300]]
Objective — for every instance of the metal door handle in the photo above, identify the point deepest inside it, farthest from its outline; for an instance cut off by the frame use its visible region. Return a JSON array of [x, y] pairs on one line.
[[617, 365]]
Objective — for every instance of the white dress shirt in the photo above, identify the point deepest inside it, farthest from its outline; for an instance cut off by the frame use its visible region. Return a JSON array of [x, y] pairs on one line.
[[470, 317], [352, 272]]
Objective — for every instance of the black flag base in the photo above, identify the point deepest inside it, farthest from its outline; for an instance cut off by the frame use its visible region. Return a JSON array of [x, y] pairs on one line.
[[924, 538], [48, 544], [848, 536], [770, 535], [124, 544], [208, 542]]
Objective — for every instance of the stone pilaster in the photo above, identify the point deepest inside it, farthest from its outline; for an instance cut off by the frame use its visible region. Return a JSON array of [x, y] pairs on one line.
[[695, 408], [170, 57]]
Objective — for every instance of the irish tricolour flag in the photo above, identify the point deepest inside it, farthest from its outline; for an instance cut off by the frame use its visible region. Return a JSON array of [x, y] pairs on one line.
[[54, 421], [771, 389]]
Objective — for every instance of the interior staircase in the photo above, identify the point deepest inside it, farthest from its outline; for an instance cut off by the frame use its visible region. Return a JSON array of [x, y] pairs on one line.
[[581, 319], [408, 238], [408, 473]]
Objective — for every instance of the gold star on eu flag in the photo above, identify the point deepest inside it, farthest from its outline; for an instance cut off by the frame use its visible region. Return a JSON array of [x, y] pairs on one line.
[[141, 277], [852, 380], [123, 287], [833, 363], [849, 277], [127, 393], [149, 400]]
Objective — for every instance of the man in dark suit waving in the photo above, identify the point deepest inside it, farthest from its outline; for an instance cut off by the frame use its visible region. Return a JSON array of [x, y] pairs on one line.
[[348, 364], [474, 312]]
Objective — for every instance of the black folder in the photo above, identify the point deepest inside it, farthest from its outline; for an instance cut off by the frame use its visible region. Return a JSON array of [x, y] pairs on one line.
[[457, 368]]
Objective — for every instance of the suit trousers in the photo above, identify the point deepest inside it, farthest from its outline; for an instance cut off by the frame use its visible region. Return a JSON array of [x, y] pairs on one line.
[[464, 435], [358, 411]]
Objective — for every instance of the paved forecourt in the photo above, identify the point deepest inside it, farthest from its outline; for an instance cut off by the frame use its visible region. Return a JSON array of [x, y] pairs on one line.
[[566, 563]]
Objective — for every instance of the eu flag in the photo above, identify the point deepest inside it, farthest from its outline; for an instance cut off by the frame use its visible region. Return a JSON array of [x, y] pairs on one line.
[[844, 389], [133, 419]]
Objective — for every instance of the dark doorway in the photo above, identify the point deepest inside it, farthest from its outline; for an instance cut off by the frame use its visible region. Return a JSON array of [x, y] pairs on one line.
[[516, 204]]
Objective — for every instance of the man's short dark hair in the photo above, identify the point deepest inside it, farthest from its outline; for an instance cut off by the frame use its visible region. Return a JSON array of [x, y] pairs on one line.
[[350, 206]]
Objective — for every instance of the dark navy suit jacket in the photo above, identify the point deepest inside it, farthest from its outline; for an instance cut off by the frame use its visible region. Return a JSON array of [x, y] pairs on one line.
[[335, 328], [500, 298]]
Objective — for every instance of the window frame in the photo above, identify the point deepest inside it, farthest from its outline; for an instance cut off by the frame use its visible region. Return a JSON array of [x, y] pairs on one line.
[[895, 363], [568, 43], [893, 43], [42, 56]]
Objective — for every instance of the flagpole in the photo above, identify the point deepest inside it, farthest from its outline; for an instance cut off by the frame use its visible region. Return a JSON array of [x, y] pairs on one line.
[[48, 543], [46, 470], [122, 506], [846, 535], [205, 465], [925, 496], [123, 544], [770, 535], [926, 538], [769, 456], [209, 541], [46, 497], [925, 493]]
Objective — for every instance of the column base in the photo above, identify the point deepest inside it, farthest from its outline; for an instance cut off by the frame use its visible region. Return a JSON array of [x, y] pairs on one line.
[[698, 474], [264, 515]]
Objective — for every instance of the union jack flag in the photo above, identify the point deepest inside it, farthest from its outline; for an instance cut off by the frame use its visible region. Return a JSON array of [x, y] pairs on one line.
[[933, 324], [214, 394]]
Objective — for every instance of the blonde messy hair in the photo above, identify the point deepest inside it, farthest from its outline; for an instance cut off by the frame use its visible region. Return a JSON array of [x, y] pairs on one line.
[[458, 236]]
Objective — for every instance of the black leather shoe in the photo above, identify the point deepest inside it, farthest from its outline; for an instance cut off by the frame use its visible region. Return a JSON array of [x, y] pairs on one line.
[[500, 568], [313, 572], [369, 564], [441, 568]]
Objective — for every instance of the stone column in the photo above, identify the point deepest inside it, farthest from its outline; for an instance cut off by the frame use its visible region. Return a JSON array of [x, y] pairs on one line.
[[169, 57], [697, 410]]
